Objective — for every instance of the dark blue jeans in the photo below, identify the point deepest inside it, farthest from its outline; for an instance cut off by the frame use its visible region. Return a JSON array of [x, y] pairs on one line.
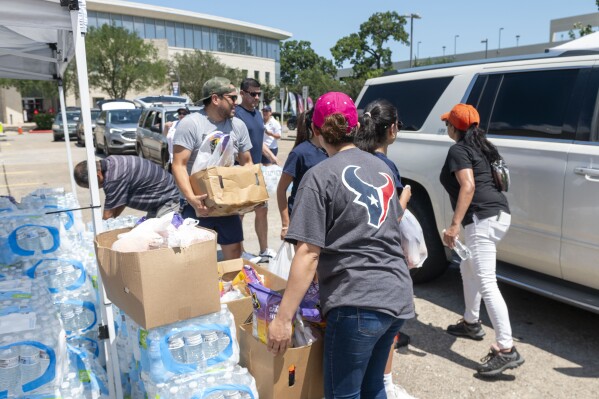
[[356, 347]]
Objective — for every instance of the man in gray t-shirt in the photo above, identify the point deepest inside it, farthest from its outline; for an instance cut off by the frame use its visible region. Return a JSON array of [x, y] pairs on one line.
[[219, 97]]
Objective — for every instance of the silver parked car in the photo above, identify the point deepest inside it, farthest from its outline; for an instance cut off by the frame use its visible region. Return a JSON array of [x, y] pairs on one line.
[[115, 131]]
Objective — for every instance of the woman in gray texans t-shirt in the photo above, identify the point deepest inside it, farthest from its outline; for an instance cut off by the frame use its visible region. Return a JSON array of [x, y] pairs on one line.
[[345, 224]]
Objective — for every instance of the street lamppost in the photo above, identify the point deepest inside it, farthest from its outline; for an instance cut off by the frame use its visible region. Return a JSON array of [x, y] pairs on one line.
[[517, 40], [443, 51], [412, 16], [499, 44], [486, 42], [455, 46]]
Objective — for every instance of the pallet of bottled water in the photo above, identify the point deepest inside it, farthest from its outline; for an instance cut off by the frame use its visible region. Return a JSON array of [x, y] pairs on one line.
[[32, 340], [200, 344]]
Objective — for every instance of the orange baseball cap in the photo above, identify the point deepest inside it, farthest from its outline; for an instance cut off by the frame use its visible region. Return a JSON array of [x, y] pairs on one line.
[[462, 116]]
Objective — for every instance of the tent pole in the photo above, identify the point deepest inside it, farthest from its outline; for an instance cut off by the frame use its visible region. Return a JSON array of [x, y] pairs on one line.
[[66, 137], [112, 360]]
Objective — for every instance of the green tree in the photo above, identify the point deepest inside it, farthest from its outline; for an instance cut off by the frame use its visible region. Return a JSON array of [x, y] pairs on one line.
[[582, 30], [119, 61], [193, 69], [298, 57], [269, 92], [364, 50]]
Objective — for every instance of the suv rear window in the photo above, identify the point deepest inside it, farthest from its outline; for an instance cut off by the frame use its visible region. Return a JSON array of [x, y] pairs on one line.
[[530, 104], [414, 99]]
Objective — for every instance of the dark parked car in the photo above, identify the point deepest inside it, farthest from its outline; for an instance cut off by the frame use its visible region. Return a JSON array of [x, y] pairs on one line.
[[115, 130], [150, 138], [79, 128], [73, 116]]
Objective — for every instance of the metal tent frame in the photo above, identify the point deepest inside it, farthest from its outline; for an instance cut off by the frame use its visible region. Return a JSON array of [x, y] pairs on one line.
[[38, 38]]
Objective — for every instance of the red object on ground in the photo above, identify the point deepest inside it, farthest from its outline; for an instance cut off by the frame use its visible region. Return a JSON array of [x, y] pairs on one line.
[[39, 131]]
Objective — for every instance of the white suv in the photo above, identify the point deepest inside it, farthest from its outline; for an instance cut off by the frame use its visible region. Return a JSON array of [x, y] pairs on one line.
[[543, 115]]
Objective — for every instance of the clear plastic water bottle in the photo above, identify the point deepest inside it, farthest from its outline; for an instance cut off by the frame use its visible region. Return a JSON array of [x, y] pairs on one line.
[[29, 360], [67, 316], [232, 395], [176, 348], [211, 344], [462, 250], [193, 347], [44, 361], [9, 370]]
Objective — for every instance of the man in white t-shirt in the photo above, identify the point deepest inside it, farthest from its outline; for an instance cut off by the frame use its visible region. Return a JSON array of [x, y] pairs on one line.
[[272, 132]]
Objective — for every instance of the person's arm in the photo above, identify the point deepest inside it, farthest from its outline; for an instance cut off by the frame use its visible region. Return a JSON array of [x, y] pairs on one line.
[[303, 268], [268, 153], [245, 158], [179, 169], [112, 213], [282, 187], [272, 133], [465, 178], [167, 127]]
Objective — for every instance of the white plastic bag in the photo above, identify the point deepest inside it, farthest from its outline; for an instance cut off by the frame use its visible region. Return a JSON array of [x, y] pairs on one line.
[[272, 175], [281, 264], [217, 149], [412, 240]]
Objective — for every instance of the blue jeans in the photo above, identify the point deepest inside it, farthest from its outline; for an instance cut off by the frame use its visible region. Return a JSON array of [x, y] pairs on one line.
[[356, 347]]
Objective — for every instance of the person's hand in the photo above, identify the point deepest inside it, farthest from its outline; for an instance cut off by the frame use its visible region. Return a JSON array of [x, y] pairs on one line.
[[406, 194], [277, 162], [279, 336], [197, 202], [450, 235], [283, 232], [168, 124]]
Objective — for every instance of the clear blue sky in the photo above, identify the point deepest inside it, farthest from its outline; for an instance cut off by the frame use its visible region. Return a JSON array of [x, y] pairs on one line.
[[323, 22]]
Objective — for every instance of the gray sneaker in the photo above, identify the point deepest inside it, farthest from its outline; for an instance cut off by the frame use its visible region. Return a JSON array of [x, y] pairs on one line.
[[496, 362], [462, 329]]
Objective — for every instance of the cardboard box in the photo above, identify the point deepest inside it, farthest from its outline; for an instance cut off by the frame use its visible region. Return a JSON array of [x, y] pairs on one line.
[[160, 286], [231, 190], [272, 372], [242, 309]]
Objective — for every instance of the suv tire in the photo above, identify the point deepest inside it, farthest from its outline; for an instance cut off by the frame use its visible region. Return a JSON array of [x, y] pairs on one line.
[[436, 264]]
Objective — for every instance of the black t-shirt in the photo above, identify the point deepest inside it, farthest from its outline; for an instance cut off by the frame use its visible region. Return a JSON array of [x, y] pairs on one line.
[[487, 200]]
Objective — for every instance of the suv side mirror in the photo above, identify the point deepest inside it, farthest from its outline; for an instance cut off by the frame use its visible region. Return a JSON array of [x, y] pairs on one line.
[[76, 119], [100, 121]]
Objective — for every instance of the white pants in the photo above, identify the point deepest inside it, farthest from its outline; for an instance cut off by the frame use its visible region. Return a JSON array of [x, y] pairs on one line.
[[480, 279]]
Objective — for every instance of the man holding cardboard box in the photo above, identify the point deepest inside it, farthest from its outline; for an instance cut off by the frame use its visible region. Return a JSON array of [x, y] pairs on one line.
[[219, 97]]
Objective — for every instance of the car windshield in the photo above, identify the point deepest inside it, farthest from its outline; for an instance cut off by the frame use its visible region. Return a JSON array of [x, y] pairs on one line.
[[95, 114], [124, 116], [171, 116], [163, 99], [71, 115]]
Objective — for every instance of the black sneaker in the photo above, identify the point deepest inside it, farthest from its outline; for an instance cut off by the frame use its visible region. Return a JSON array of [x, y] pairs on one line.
[[463, 329], [402, 340], [496, 362]]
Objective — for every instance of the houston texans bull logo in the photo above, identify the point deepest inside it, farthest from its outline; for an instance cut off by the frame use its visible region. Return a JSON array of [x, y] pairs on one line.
[[376, 200]]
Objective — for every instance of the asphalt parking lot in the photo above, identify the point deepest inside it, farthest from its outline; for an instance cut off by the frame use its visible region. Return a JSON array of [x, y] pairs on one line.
[[559, 343]]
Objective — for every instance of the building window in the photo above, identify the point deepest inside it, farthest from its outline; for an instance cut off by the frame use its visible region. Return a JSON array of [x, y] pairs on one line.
[[189, 36], [170, 33], [267, 77], [128, 23], [180, 35], [257, 75], [116, 20], [103, 18], [160, 30], [92, 19], [197, 37], [138, 25], [244, 73], [150, 28]]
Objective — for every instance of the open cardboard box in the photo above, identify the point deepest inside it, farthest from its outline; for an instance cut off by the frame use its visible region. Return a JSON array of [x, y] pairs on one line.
[[161, 286], [242, 309], [274, 378], [230, 190]]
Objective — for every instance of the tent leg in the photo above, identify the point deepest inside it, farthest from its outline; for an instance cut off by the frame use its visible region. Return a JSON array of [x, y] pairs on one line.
[[112, 360], [67, 139]]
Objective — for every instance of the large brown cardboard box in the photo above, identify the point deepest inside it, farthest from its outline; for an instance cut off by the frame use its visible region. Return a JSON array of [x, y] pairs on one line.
[[272, 372], [160, 286], [243, 309], [231, 190]]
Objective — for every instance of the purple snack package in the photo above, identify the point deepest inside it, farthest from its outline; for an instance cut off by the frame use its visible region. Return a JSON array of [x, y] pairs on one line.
[[266, 305], [177, 220]]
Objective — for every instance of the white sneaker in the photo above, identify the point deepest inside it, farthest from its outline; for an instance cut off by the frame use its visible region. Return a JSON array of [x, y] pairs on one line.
[[398, 392], [267, 255], [251, 257]]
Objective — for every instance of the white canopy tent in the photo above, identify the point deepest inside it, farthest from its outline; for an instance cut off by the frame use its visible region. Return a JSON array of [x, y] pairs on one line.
[[38, 38]]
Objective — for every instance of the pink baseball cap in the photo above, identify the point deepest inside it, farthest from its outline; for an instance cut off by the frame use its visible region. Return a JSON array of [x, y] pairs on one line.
[[335, 103]]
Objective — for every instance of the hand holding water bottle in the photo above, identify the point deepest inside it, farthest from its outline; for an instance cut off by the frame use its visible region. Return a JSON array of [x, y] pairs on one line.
[[452, 240]]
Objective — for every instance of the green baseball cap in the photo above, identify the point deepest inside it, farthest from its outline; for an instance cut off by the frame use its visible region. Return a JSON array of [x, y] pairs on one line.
[[216, 85]]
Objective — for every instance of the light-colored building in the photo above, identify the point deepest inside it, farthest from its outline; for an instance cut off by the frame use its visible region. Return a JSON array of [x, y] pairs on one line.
[[249, 47]]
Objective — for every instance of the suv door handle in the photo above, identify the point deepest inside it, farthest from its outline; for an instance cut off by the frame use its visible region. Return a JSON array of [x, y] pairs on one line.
[[589, 173]]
